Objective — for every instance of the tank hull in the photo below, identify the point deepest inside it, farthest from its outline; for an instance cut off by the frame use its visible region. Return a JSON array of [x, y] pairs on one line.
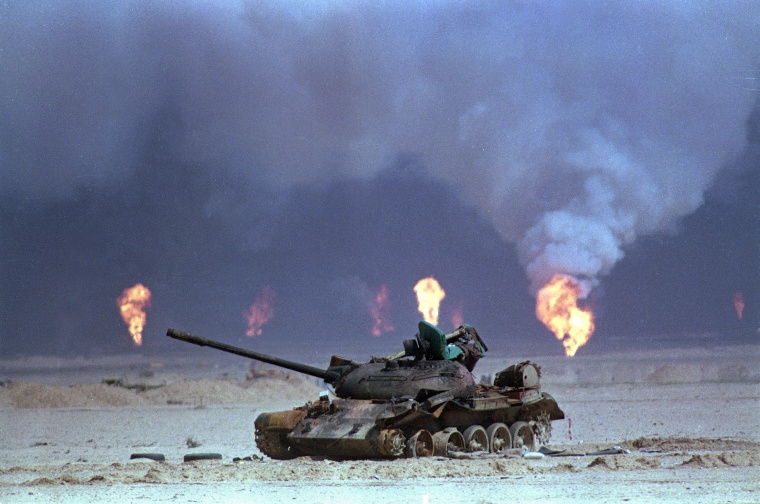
[[359, 429]]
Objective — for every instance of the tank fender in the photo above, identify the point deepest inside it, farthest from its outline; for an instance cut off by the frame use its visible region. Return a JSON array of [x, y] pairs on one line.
[[437, 399], [280, 420], [395, 412], [547, 405]]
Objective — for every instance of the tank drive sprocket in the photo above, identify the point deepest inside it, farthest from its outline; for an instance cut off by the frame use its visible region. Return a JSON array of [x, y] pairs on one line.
[[274, 444]]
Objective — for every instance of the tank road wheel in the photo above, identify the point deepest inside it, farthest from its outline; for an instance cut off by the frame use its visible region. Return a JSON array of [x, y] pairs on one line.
[[475, 438], [420, 445], [499, 438], [274, 444], [522, 435], [448, 441]]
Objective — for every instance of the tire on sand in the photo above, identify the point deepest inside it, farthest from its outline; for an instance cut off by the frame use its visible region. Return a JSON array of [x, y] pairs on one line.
[[158, 457], [192, 457]]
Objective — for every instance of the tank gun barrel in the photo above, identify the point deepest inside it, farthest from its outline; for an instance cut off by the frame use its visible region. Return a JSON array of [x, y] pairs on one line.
[[329, 375]]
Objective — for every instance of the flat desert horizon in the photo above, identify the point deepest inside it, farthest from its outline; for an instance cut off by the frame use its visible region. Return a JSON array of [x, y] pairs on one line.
[[687, 421]]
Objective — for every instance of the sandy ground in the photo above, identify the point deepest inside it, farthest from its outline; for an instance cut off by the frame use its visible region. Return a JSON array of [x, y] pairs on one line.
[[689, 420]]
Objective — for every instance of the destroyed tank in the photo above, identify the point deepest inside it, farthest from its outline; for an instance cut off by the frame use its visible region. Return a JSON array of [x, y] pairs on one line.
[[420, 402]]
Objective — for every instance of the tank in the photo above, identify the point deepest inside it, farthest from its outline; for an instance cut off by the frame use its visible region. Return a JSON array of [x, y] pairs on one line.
[[422, 401]]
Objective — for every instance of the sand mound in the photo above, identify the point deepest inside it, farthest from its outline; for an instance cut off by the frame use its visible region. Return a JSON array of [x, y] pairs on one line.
[[34, 395], [623, 462], [731, 459], [690, 444], [210, 391], [197, 392], [155, 475]]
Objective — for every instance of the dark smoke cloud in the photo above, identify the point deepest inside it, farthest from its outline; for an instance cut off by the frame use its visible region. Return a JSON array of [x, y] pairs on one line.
[[201, 143]]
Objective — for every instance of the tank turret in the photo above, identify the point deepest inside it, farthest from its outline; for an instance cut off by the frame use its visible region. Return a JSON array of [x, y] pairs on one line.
[[433, 363]]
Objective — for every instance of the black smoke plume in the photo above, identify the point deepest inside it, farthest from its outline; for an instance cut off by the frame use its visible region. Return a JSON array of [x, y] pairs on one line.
[[207, 149]]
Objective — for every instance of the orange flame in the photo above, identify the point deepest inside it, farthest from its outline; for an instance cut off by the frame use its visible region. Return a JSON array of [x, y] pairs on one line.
[[380, 310], [557, 307], [260, 312], [739, 303], [429, 297], [132, 304]]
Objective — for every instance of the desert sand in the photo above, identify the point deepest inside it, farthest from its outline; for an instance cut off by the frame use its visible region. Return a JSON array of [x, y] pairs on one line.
[[687, 421]]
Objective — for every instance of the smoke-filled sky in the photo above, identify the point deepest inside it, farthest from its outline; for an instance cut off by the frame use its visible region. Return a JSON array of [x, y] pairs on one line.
[[325, 149]]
